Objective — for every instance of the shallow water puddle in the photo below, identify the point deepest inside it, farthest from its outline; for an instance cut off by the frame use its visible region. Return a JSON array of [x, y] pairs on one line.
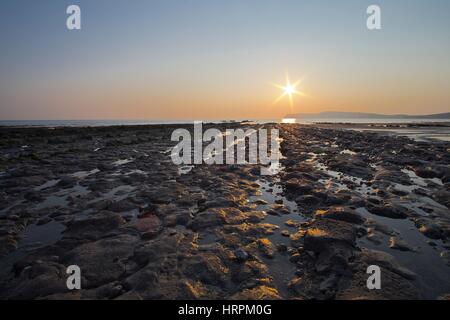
[[167, 151], [84, 174], [59, 199], [128, 173], [433, 275], [421, 181], [48, 184], [118, 193], [340, 181], [423, 259], [184, 170], [419, 135], [32, 238], [347, 151], [280, 268], [122, 162], [36, 236]]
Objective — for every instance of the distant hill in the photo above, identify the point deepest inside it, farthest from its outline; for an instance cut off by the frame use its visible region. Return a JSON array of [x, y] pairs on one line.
[[362, 115]]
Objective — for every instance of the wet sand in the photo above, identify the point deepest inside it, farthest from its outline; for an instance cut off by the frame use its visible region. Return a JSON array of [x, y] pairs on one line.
[[110, 200]]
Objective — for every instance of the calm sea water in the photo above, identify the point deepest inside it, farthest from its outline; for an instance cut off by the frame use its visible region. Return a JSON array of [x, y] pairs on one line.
[[97, 123], [83, 123]]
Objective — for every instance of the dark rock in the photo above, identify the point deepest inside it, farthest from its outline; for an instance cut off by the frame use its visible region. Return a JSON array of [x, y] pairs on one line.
[[122, 206], [67, 182], [206, 267], [388, 211], [33, 196], [383, 259], [297, 186], [105, 166], [321, 233], [215, 217], [308, 200], [297, 238], [102, 261], [240, 255], [266, 247], [399, 244], [429, 229], [340, 213], [427, 173], [445, 255], [8, 243], [443, 197], [39, 279], [43, 221], [285, 233], [94, 227], [149, 227]]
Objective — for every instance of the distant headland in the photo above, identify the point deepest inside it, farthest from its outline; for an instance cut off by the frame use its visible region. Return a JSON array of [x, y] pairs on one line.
[[363, 115]]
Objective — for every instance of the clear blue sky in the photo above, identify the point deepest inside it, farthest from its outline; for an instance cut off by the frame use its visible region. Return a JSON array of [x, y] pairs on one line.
[[173, 59]]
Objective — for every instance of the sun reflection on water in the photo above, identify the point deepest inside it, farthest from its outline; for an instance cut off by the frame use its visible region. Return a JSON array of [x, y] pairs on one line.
[[289, 120]]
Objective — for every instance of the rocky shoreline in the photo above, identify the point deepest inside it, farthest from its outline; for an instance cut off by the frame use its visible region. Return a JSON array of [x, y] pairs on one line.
[[110, 200]]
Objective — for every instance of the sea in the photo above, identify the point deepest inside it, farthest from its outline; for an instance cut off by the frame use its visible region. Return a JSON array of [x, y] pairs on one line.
[[419, 133], [99, 123]]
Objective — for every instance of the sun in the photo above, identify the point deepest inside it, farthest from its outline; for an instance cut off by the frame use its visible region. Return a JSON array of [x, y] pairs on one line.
[[289, 90]]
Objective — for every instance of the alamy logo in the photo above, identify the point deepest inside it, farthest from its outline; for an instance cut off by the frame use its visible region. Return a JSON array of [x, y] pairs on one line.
[[374, 280], [374, 19], [73, 22], [373, 22], [74, 280], [222, 151]]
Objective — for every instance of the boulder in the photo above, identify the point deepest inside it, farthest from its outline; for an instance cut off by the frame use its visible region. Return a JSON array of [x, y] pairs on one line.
[[102, 261], [321, 233], [94, 227], [341, 214], [388, 211]]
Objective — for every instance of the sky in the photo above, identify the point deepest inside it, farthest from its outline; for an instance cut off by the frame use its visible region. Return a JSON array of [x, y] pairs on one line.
[[219, 59]]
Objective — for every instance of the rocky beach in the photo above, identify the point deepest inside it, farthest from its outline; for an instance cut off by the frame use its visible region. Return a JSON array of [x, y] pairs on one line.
[[111, 201]]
